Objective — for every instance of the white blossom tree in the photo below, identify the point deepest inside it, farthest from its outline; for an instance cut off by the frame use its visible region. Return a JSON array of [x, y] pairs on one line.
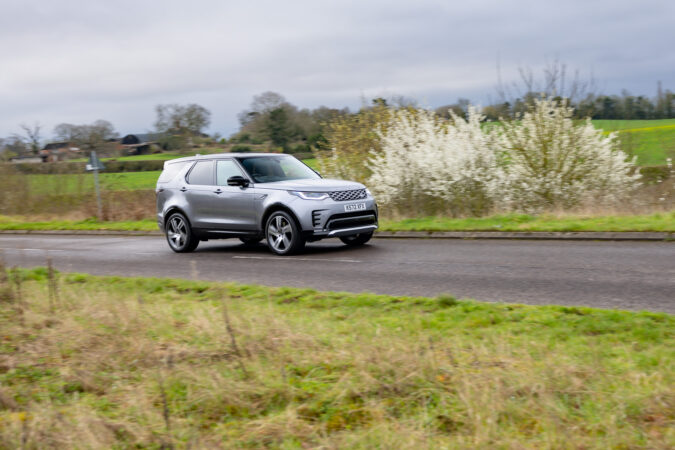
[[426, 161], [551, 160], [424, 164]]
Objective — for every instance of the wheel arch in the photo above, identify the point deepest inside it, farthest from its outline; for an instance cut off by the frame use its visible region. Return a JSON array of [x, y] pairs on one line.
[[175, 209], [278, 207]]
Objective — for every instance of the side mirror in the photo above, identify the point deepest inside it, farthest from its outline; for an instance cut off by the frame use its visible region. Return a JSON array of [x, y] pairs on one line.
[[237, 180]]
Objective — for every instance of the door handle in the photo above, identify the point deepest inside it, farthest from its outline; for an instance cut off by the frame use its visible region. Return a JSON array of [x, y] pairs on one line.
[[183, 189], [218, 191]]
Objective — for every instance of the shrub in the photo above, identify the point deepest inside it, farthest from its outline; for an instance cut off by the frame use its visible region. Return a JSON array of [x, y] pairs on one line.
[[426, 163], [351, 137], [551, 160], [421, 163]]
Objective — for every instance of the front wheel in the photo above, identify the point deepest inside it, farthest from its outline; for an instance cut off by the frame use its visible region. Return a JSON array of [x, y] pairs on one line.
[[283, 234], [179, 235], [357, 239]]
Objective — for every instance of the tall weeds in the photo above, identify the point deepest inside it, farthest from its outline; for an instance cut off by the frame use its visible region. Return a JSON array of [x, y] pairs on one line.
[[327, 370]]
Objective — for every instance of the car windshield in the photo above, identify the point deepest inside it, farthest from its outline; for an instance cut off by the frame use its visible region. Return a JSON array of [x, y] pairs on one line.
[[265, 169]]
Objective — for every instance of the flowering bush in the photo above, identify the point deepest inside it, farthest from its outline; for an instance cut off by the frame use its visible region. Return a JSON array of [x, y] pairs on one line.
[[551, 160], [426, 163], [420, 163]]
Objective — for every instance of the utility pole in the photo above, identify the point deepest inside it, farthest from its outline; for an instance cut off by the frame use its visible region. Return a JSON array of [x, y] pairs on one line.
[[94, 165]]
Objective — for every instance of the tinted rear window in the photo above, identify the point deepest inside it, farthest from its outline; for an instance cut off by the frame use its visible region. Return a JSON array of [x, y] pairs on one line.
[[171, 170], [202, 173]]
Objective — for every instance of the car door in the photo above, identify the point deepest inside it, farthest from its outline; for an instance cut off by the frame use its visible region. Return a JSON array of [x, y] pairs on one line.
[[199, 194], [233, 205]]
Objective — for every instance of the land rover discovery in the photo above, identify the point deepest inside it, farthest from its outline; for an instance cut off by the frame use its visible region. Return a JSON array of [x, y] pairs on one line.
[[256, 196]]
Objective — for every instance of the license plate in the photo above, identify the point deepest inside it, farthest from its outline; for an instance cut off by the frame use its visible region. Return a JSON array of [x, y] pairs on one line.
[[355, 207]]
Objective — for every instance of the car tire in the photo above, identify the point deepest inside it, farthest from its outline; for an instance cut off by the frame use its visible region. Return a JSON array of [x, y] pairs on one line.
[[250, 240], [179, 234], [282, 234], [357, 239]]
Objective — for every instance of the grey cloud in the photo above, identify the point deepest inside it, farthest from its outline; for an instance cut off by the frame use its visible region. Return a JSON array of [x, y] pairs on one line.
[[78, 61]]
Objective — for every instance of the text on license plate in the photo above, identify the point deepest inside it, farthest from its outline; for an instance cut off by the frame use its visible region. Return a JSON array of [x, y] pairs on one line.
[[355, 207]]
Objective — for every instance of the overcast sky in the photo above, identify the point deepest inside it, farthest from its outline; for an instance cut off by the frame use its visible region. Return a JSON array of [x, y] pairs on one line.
[[78, 61]]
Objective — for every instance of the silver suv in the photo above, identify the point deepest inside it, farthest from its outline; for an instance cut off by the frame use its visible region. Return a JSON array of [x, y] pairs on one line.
[[256, 196]]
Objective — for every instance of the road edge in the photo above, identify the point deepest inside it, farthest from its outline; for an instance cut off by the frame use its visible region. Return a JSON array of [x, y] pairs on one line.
[[527, 235]]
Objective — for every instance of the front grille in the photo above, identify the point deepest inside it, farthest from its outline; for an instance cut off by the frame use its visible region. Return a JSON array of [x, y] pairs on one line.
[[348, 220], [345, 196]]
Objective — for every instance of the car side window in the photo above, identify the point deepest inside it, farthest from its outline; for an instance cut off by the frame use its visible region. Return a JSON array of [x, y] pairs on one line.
[[226, 169], [201, 173]]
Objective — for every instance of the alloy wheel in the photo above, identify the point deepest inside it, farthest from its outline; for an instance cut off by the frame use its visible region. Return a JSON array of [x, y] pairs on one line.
[[279, 234], [177, 232]]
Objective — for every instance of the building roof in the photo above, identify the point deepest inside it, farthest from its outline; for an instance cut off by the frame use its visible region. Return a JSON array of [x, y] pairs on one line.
[[56, 145], [142, 138]]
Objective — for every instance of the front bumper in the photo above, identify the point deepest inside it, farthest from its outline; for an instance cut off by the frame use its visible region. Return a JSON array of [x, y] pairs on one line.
[[348, 231], [327, 219]]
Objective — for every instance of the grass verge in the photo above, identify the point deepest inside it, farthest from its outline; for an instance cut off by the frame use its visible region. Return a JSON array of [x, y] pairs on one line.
[[135, 362], [523, 222], [512, 222]]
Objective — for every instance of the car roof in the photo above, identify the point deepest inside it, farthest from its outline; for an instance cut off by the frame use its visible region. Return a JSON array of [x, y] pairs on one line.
[[227, 155]]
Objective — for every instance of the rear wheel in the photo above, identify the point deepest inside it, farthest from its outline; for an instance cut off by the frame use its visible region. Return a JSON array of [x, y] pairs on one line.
[[283, 234], [357, 239], [179, 235]]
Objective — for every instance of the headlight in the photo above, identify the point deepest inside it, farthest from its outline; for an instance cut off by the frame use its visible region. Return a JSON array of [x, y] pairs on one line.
[[310, 195], [368, 193]]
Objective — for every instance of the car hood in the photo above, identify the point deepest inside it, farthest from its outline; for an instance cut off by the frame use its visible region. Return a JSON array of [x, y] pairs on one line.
[[322, 185]]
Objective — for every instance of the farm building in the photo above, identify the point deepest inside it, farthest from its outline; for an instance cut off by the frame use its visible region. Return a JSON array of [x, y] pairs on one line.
[[139, 144], [58, 151]]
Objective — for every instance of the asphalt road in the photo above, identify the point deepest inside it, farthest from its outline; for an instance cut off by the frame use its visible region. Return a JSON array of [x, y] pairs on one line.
[[624, 275]]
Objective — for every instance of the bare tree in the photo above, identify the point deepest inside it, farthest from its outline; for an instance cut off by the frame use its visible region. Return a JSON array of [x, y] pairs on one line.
[[267, 101], [182, 119], [14, 145], [261, 105], [67, 132], [87, 137], [553, 82], [31, 136]]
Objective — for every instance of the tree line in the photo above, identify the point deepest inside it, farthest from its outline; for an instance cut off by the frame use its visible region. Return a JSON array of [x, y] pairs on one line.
[[273, 123]]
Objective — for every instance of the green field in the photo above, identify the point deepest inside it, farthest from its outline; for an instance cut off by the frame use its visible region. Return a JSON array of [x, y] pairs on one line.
[[311, 163], [651, 140], [664, 222], [81, 183], [618, 125], [109, 362]]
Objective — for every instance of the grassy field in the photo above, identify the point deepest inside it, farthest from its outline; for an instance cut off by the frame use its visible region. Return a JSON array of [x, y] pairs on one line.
[[511, 222], [79, 183], [125, 181], [651, 140], [619, 125], [311, 163], [107, 362]]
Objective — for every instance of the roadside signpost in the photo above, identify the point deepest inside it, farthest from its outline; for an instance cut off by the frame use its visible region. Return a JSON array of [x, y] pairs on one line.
[[95, 165]]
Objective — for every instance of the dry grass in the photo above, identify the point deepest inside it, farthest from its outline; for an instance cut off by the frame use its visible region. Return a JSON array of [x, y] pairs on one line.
[[153, 363]]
